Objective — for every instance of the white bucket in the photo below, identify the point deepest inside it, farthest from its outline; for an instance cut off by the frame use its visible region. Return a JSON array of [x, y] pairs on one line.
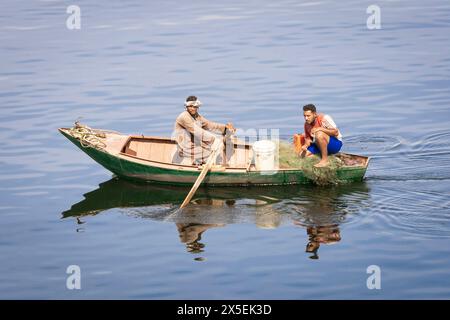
[[264, 155]]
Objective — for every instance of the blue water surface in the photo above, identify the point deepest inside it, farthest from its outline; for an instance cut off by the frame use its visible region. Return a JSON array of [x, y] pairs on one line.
[[255, 63]]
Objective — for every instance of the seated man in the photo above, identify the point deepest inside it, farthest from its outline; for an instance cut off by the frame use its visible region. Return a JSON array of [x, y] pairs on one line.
[[321, 135], [195, 134]]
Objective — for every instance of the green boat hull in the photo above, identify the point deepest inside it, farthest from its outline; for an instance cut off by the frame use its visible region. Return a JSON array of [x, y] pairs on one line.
[[137, 171]]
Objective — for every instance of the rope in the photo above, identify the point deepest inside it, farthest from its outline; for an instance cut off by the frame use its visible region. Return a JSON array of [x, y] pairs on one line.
[[88, 137]]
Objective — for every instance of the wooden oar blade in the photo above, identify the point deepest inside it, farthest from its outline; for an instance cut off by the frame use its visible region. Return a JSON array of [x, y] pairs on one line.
[[208, 165]]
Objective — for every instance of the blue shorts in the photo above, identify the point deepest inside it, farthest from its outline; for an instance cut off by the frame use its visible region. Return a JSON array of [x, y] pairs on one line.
[[334, 145]]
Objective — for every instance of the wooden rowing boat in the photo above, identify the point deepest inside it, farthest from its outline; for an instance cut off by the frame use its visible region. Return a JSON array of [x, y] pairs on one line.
[[151, 159]]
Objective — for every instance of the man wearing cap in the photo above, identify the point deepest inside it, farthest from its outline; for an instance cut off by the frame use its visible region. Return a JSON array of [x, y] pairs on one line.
[[195, 134]]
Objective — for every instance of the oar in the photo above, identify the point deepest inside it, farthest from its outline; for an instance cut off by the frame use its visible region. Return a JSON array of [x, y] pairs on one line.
[[208, 165]]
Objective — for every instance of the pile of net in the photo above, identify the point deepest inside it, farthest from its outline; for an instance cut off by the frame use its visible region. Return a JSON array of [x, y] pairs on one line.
[[88, 137], [287, 158]]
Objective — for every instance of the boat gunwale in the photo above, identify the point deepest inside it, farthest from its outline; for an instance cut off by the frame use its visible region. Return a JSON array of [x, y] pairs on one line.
[[176, 167], [195, 169], [246, 146]]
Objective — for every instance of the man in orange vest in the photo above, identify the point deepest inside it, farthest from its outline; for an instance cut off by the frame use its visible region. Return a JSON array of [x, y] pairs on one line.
[[321, 135]]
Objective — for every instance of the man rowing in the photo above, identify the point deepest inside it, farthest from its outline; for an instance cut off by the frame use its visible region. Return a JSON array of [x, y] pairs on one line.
[[321, 135], [196, 136]]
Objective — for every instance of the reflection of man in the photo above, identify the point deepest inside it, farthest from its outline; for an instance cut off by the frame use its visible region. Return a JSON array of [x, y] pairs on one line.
[[195, 134], [321, 234], [191, 234]]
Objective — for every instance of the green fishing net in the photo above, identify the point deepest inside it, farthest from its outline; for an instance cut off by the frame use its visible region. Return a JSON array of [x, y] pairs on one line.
[[287, 158]]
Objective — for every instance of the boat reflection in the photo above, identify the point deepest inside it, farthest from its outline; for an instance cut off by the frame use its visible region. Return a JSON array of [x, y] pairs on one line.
[[318, 210]]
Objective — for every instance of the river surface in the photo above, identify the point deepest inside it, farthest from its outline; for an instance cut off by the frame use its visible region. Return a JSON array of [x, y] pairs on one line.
[[129, 68]]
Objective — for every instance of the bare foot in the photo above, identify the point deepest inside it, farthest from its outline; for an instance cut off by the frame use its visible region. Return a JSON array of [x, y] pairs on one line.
[[321, 164]]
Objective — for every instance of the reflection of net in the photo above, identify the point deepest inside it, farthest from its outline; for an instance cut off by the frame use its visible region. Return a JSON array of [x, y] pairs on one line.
[[321, 176]]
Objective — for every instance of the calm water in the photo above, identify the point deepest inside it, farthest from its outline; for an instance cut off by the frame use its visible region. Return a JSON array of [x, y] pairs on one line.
[[130, 67]]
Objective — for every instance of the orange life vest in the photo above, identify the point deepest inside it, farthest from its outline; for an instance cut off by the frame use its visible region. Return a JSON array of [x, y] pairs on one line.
[[317, 124]]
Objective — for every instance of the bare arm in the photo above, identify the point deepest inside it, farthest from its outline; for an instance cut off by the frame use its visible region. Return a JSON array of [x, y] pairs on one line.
[[329, 127], [331, 132], [308, 142]]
